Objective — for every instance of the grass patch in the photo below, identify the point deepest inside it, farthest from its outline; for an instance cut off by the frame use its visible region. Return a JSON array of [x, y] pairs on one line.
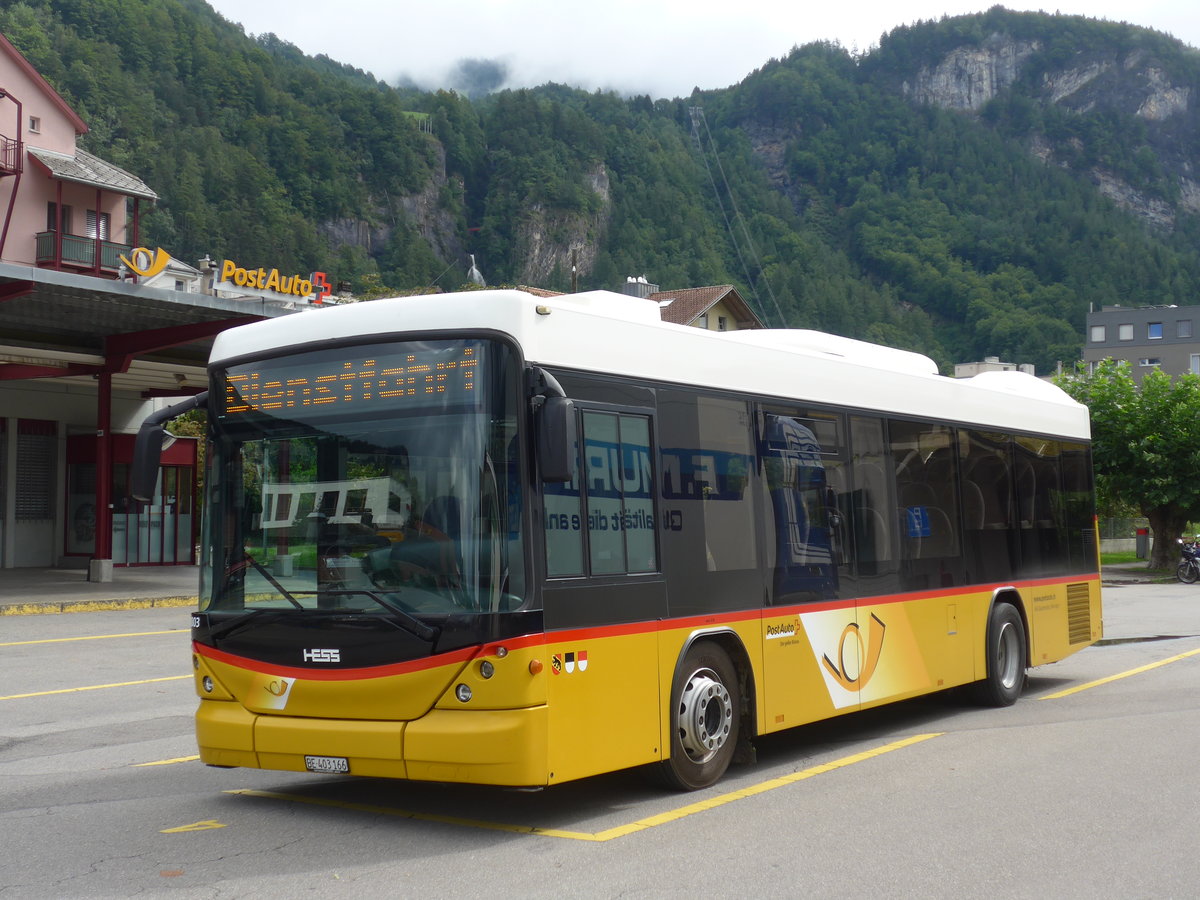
[[1109, 559]]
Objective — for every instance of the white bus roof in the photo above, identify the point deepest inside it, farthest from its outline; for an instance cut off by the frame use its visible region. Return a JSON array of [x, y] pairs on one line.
[[605, 332]]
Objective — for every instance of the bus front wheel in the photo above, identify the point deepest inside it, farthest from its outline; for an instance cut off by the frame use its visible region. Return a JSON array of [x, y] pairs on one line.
[[1006, 655], [705, 717]]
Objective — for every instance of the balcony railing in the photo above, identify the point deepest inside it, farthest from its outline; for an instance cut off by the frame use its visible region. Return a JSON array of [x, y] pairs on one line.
[[79, 253], [10, 156]]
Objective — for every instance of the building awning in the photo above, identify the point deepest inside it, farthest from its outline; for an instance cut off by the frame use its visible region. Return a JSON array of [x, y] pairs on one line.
[[83, 168], [71, 327]]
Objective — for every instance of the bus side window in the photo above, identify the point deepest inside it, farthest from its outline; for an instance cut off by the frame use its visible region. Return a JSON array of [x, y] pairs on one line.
[[563, 522], [613, 504], [803, 481], [871, 506]]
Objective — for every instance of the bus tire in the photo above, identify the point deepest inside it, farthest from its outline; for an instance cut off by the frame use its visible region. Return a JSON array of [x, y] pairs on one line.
[[705, 717], [1005, 657]]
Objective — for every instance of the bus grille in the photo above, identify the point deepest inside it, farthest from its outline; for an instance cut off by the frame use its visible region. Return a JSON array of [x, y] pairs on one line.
[[1079, 613]]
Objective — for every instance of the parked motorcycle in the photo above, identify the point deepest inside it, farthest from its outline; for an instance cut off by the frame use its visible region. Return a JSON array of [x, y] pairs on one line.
[[1188, 570]]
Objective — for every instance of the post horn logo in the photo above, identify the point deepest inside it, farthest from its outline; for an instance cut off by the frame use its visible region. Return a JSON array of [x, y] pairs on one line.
[[868, 651], [147, 264]]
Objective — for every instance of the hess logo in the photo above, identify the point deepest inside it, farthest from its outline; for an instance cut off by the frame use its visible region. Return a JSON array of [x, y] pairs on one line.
[[323, 655]]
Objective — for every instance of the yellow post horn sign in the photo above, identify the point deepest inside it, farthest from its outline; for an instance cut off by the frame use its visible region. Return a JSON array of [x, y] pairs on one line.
[[146, 264], [868, 653]]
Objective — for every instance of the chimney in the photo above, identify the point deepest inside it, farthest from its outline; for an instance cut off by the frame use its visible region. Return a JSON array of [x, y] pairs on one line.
[[639, 287]]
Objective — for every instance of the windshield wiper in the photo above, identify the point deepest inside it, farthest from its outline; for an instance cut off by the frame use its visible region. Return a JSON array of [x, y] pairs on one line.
[[262, 570], [258, 616], [408, 622]]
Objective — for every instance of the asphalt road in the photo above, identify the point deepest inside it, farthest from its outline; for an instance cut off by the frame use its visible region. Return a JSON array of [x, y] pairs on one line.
[[1082, 789]]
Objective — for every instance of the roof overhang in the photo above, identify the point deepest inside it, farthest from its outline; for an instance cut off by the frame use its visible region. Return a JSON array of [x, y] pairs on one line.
[[74, 327], [84, 168]]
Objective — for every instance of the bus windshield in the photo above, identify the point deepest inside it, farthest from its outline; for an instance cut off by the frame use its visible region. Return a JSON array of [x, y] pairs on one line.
[[377, 479]]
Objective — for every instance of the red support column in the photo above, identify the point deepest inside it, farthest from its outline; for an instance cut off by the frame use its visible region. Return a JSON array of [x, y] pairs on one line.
[[58, 225], [101, 567], [97, 250]]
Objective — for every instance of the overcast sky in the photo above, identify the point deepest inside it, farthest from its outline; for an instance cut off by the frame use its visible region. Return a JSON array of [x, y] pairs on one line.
[[659, 47]]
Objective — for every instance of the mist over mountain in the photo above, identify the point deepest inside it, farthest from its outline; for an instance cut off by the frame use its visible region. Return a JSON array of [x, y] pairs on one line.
[[967, 189]]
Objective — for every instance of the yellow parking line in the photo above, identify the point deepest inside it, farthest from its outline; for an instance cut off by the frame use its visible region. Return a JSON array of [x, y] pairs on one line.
[[167, 762], [1138, 671], [611, 833], [93, 637], [95, 687]]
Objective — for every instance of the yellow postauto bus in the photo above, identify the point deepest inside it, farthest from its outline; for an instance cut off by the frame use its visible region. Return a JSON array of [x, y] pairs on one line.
[[500, 539]]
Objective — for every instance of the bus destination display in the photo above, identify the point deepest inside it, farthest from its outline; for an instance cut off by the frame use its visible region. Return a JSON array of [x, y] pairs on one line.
[[331, 380]]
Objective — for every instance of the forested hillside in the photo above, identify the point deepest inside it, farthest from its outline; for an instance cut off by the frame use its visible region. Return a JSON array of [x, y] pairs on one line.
[[966, 189]]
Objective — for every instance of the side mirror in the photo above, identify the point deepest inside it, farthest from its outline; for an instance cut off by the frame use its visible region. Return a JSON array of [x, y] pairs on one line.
[[556, 439], [147, 448]]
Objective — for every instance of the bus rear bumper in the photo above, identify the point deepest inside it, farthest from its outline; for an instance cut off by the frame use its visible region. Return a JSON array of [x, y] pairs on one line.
[[501, 747]]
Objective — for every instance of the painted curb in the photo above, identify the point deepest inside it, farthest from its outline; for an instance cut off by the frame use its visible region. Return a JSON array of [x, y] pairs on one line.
[[52, 607]]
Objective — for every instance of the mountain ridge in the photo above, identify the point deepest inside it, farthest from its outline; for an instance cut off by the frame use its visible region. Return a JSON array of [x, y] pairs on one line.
[[967, 189]]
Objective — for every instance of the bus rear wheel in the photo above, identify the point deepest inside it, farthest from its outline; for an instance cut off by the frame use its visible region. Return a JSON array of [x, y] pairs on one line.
[[705, 717], [1005, 655]]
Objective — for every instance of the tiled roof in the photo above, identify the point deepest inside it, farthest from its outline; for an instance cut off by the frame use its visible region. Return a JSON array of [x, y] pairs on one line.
[[689, 304], [83, 168]]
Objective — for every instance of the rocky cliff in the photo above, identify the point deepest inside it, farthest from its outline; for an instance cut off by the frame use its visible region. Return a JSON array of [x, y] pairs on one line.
[[549, 240], [968, 77], [1129, 85]]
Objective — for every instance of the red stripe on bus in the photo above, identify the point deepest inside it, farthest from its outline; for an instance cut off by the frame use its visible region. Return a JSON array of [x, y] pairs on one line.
[[600, 632]]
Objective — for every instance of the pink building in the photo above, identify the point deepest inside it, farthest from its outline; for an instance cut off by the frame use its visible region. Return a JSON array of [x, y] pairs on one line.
[[86, 354], [64, 208]]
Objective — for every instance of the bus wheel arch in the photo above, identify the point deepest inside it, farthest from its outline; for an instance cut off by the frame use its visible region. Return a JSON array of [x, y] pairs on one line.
[[1006, 652], [710, 712]]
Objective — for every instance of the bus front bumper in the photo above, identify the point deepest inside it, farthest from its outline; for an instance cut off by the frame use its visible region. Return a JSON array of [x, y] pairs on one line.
[[501, 746]]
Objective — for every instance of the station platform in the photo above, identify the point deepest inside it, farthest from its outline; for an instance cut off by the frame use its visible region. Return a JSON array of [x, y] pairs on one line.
[[34, 590]]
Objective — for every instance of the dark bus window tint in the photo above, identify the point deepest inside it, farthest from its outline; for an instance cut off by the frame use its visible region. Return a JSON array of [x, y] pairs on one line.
[[987, 505], [707, 458], [871, 505], [637, 483], [926, 464], [564, 526], [721, 472], [1040, 516], [601, 453], [804, 477], [1078, 506]]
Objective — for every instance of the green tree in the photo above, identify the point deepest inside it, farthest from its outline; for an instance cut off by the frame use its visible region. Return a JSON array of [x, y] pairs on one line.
[[1145, 445]]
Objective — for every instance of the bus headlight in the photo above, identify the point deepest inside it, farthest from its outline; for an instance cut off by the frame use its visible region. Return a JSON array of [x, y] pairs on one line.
[[463, 693], [207, 683], [486, 669]]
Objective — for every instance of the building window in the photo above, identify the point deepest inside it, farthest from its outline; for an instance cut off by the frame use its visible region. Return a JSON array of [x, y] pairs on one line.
[[1195, 364], [35, 125], [36, 466], [91, 225], [1099, 334], [1183, 328], [702, 321], [1154, 331], [1125, 332], [52, 218], [1148, 361], [722, 323]]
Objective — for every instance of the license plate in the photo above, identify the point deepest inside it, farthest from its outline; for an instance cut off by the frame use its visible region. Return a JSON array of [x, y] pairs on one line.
[[329, 764]]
